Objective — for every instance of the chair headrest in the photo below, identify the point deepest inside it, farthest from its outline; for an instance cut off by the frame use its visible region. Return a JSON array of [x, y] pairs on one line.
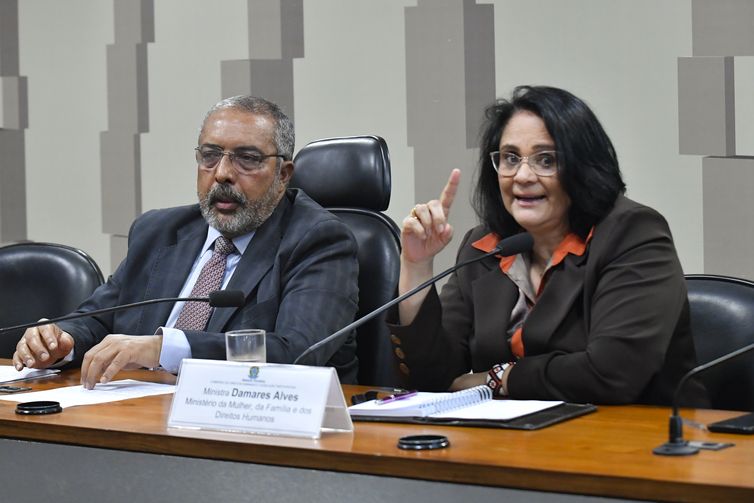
[[352, 171]]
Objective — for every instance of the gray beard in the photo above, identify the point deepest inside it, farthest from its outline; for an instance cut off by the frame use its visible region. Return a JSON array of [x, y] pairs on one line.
[[248, 216]]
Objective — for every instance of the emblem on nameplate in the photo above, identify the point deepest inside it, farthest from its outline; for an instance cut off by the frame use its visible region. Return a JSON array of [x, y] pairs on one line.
[[253, 372]]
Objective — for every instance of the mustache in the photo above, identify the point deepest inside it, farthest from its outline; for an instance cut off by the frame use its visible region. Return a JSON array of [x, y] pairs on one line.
[[226, 193]]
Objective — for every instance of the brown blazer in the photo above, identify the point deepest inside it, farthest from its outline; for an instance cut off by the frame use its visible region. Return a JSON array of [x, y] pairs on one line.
[[611, 326]]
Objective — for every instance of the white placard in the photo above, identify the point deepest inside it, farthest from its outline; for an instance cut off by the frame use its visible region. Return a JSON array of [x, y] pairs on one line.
[[264, 398]]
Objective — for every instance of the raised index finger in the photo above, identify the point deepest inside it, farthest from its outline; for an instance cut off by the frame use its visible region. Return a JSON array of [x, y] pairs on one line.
[[449, 192]]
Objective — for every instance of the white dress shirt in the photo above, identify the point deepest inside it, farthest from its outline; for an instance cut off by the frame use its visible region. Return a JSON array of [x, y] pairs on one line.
[[175, 346]]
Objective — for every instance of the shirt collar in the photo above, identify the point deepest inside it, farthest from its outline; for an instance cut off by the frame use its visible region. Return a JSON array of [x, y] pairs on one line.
[[240, 242], [571, 244]]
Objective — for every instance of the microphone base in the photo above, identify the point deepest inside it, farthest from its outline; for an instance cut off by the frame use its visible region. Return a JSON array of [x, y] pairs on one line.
[[681, 448]]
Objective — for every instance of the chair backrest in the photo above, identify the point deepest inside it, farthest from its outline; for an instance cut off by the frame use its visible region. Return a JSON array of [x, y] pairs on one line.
[[722, 320], [350, 176], [41, 280]]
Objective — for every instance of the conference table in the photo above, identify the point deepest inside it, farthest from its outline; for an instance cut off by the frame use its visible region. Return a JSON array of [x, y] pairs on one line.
[[123, 451]]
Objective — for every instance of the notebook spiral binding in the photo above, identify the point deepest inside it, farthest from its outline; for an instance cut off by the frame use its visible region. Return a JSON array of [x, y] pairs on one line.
[[457, 400]]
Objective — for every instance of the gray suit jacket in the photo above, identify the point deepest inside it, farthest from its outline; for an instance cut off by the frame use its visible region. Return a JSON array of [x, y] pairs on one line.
[[299, 277], [611, 326]]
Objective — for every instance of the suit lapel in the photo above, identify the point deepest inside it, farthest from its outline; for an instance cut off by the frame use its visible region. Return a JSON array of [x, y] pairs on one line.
[[563, 289], [171, 268], [495, 295], [256, 261]]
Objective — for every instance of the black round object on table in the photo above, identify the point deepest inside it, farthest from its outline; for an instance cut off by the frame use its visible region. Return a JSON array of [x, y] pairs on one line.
[[36, 408], [423, 442]]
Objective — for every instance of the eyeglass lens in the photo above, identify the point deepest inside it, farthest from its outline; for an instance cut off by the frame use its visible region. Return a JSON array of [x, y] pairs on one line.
[[246, 161], [542, 163]]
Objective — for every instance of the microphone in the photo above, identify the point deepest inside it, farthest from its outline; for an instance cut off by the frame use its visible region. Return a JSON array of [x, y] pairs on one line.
[[513, 245], [226, 298], [676, 445], [218, 298]]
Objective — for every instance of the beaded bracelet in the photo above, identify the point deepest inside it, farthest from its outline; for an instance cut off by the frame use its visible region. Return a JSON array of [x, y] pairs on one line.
[[495, 378]]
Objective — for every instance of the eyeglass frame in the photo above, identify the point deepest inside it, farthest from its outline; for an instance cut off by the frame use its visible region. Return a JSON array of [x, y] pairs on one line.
[[525, 159], [232, 156]]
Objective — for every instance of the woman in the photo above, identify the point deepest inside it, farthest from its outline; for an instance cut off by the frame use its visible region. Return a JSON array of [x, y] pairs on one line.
[[595, 312]]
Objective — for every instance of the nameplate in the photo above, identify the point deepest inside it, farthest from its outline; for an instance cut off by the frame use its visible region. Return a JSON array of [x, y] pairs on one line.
[[261, 398]]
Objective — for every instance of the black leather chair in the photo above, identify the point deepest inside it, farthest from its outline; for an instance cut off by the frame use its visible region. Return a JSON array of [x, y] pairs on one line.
[[41, 280], [350, 176], [722, 320]]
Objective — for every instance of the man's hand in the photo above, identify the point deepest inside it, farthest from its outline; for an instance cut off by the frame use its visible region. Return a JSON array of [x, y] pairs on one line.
[[41, 347], [117, 352]]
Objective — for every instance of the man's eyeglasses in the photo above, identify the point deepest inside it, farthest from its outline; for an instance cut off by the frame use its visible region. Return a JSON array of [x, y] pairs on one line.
[[245, 162], [543, 163]]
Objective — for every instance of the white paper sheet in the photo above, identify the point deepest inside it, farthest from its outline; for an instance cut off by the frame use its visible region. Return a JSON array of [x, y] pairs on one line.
[[499, 409], [8, 373], [502, 410], [102, 393]]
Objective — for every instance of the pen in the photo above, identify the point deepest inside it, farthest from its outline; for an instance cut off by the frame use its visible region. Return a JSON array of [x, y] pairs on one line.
[[396, 396]]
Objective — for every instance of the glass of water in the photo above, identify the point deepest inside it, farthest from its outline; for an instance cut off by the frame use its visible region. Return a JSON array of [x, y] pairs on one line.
[[246, 345]]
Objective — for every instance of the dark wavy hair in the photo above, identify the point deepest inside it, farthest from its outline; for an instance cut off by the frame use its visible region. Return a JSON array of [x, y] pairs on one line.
[[587, 164]]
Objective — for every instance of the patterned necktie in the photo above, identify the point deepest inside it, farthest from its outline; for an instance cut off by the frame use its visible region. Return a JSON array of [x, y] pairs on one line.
[[194, 315]]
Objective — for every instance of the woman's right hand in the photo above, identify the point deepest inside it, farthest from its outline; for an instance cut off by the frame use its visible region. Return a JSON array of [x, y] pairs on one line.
[[427, 231]]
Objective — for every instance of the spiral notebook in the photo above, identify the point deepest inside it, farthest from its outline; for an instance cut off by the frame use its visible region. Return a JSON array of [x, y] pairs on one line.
[[470, 407]]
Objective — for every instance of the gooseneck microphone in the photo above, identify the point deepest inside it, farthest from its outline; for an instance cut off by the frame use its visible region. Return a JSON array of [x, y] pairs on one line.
[[218, 298], [676, 445], [513, 245]]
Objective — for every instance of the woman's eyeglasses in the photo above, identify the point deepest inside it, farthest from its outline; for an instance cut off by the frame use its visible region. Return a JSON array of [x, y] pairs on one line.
[[543, 163]]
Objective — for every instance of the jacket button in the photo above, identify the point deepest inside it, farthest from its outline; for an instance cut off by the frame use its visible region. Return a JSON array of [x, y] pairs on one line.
[[394, 338], [400, 354], [404, 369]]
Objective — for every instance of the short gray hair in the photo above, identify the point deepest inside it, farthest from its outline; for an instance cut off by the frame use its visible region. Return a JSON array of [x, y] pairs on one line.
[[284, 135]]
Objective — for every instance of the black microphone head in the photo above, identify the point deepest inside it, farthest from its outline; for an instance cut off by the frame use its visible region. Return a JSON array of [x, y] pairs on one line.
[[518, 243], [226, 298]]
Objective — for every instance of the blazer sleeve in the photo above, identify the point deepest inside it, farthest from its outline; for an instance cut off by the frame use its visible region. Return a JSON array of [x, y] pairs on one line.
[[634, 296], [436, 343], [89, 331]]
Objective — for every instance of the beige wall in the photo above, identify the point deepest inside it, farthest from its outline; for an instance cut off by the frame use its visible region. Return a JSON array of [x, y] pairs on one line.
[[619, 55], [62, 53]]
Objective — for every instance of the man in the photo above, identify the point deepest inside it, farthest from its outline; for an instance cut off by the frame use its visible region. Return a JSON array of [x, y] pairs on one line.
[[294, 261]]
